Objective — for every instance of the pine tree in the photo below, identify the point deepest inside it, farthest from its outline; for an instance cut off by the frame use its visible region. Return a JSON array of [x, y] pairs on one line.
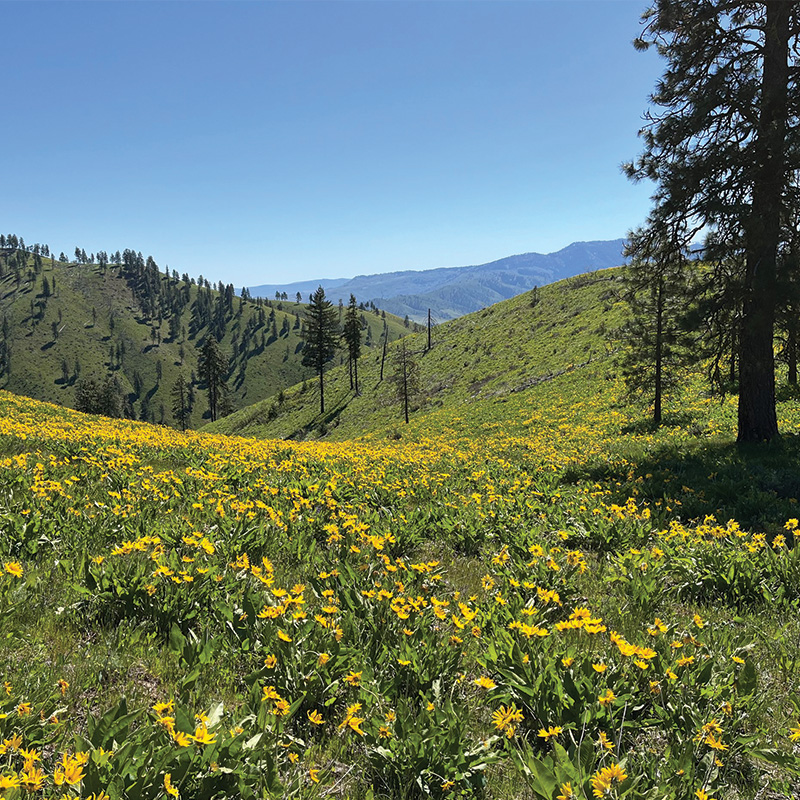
[[722, 149], [352, 338], [180, 402], [95, 396], [212, 367], [655, 344], [385, 337], [320, 338]]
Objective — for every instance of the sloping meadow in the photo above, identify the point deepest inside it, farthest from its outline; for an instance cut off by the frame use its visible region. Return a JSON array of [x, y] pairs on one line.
[[514, 602]]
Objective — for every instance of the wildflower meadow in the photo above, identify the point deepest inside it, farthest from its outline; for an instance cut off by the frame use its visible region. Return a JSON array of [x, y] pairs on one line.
[[476, 610]]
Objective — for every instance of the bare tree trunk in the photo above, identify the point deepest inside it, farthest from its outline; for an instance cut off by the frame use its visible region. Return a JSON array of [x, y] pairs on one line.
[[757, 417], [791, 353], [429, 329], [659, 353], [405, 382]]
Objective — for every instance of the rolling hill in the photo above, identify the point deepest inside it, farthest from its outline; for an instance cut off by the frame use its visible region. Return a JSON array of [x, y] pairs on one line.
[[499, 351], [453, 291], [65, 322], [541, 367]]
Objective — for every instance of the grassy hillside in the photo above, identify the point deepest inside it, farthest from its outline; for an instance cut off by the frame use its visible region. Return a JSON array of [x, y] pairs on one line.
[[512, 369], [90, 322], [525, 593], [513, 600], [495, 352]]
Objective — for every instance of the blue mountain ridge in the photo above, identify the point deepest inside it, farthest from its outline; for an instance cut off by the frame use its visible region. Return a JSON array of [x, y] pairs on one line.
[[450, 292]]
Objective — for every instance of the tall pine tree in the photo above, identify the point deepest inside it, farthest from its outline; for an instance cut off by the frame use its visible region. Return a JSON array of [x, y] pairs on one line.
[[212, 367], [180, 402], [320, 337], [655, 343]]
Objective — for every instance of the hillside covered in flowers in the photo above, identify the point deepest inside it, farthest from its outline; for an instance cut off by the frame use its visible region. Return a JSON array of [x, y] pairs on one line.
[[526, 595]]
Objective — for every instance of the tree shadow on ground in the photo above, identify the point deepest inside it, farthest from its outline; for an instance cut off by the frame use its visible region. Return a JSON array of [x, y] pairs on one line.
[[758, 485], [645, 425], [322, 423]]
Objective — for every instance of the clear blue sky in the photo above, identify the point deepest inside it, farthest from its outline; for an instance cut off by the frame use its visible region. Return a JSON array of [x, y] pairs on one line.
[[266, 142]]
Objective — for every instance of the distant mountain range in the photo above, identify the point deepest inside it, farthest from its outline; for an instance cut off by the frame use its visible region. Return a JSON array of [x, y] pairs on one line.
[[453, 291]]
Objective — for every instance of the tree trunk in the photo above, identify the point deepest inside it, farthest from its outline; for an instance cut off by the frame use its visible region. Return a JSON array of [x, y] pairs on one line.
[[757, 418], [659, 353], [429, 330], [321, 392], [355, 374], [405, 383]]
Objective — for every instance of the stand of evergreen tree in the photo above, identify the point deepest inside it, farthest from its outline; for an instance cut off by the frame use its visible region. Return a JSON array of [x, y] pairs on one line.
[[213, 367], [100, 396]]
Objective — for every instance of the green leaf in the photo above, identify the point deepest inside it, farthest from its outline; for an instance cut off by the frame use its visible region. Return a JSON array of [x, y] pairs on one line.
[[183, 722], [787, 761], [177, 641], [296, 705], [705, 673], [104, 731], [566, 770], [586, 756], [748, 679], [207, 651], [215, 715]]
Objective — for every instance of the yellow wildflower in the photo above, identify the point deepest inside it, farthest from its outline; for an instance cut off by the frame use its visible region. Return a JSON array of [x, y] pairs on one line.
[[169, 788], [603, 779], [549, 733]]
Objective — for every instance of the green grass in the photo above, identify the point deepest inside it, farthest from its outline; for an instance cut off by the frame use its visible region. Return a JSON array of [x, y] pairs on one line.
[[512, 366]]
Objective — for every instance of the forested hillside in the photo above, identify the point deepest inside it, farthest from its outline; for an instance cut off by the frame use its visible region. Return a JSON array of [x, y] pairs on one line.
[[116, 333]]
